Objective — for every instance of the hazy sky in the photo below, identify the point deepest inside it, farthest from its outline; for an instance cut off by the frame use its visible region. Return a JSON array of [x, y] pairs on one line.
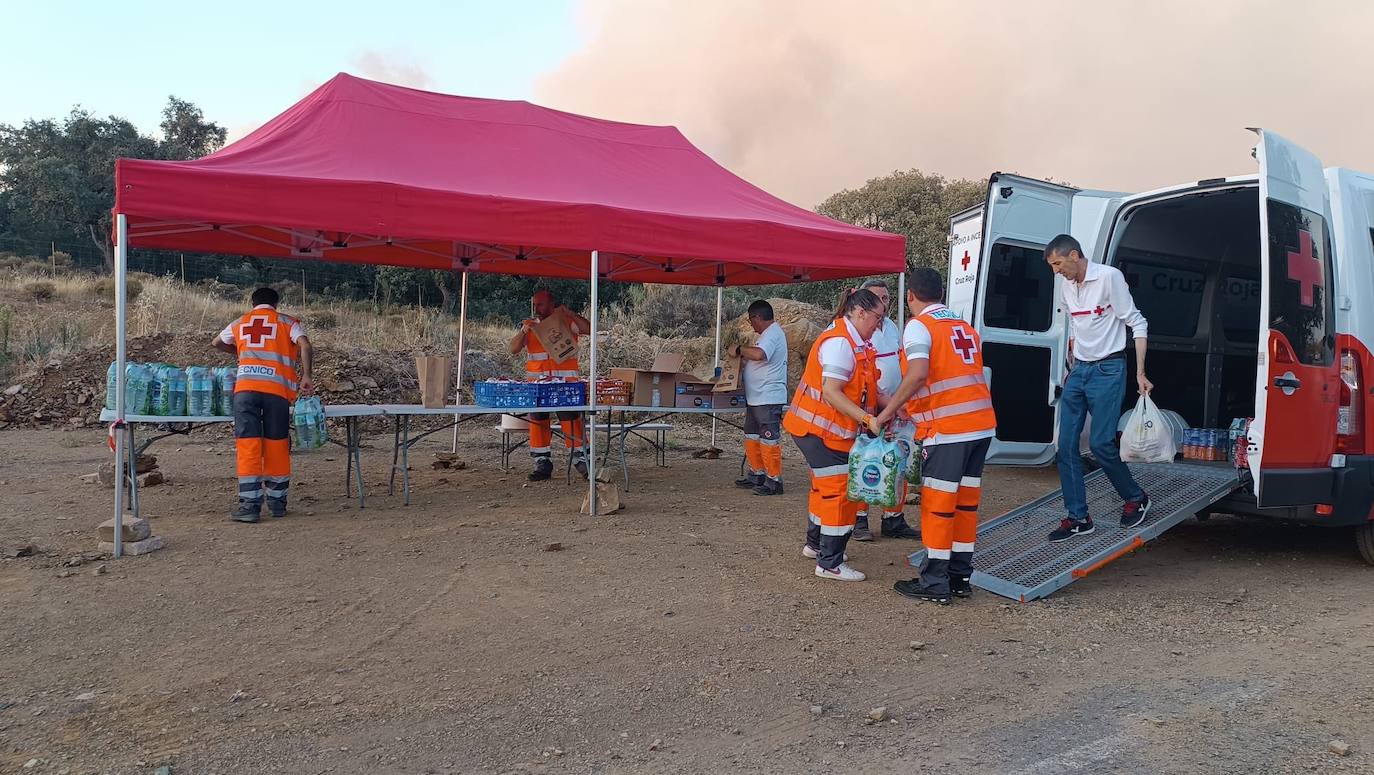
[[802, 97]]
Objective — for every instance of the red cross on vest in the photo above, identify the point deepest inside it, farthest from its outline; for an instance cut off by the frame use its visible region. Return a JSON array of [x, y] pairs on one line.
[[258, 331], [964, 345], [965, 260], [1306, 269], [1099, 310]]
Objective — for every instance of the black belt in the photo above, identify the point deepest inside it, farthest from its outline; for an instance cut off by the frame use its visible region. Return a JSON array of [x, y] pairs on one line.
[[1118, 355]]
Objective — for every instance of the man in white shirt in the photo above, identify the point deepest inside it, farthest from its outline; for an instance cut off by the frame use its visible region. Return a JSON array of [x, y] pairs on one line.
[[887, 340], [1100, 310], [765, 396]]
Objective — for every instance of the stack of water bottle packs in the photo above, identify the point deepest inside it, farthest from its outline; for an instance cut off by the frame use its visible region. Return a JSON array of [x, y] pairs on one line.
[[163, 390]]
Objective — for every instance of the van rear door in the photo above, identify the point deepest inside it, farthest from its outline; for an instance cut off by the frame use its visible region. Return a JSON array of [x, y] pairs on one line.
[[1297, 383], [965, 240], [1016, 311]]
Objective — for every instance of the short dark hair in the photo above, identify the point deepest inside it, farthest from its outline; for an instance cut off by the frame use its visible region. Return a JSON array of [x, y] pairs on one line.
[[876, 283], [761, 309], [1062, 246], [264, 295], [926, 284]]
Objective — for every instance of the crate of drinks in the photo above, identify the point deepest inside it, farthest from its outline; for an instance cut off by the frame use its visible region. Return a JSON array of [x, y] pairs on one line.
[[1209, 444], [506, 394], [562, 393], [1240, 441], [613, 392]]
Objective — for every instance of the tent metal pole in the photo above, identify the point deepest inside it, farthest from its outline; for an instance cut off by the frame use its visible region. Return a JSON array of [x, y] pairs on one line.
[[720, 307], [590, 429], [121, 358], [901, 302], [462, 348]]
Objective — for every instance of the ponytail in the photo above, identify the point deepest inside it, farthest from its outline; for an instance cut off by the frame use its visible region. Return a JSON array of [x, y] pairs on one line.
[[857, 298]]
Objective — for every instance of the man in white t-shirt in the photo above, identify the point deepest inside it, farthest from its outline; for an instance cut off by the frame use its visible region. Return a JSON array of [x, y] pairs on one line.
[[1100, 310], [765, 394], [888, 342]]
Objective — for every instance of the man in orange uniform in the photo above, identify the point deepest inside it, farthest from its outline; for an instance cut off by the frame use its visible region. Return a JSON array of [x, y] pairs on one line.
[[538, 365], [269, 346], [950, 402], [833, 403]]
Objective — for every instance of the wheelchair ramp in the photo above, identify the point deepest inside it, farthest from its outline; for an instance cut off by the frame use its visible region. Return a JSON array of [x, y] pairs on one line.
[[1014, 559]]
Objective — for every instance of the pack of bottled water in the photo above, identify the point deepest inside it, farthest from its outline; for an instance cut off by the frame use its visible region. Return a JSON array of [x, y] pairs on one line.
[[307, 424]]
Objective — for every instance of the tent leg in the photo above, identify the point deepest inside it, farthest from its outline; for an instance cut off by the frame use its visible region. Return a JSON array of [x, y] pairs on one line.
[[590, 432], [901, 301], [720, 307], [462, 346], [121, 359]]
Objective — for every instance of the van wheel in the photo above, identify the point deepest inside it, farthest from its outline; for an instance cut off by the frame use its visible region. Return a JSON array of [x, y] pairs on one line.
[[1364, 540]]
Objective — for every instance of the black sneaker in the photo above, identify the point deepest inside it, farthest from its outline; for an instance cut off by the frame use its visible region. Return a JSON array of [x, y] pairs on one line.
[[959, 586], [896, 526], [1133, 512], [861, 531], [1068, 528], [542, 472], [769, 487], [749, 482], [247, 512], [915, 591], [277, 513]]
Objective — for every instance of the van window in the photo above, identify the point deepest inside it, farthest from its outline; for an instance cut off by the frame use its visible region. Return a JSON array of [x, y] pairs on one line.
[[1020, 294], [1300, 304], [1240, 303], [1169, 298]]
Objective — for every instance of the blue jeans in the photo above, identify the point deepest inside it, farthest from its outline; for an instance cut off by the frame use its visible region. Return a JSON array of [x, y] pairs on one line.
[[1095, 388]]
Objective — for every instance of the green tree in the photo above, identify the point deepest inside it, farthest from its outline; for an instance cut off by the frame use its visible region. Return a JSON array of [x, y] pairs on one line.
[[58, 176], [911, 203]]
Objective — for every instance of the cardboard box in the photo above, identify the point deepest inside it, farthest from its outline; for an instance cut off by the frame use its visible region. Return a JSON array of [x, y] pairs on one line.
[[729, 375], [435, 376], [657, 385], [693, 395], [732, 400], [557, 338]]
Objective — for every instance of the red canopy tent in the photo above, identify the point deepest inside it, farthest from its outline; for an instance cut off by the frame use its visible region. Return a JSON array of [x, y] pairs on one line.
[[360, 171], [366, 172]]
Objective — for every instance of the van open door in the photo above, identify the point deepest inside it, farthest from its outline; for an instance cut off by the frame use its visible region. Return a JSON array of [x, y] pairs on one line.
[[1293, 437], [1016, 310]]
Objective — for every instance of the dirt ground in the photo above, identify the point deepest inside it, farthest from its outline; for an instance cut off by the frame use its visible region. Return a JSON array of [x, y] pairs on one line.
[[684, 634]]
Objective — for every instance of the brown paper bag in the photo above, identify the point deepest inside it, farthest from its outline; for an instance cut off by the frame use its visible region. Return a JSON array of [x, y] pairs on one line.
[[434, 373], [729, 375], [557, 338]]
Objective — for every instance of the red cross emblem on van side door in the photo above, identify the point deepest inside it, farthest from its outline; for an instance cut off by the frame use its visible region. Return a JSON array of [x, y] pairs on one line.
[[965, 260], [1306, 268]]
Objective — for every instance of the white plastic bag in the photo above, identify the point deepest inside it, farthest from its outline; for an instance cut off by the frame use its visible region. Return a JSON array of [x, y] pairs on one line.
[[1148, 437], [874, 470]]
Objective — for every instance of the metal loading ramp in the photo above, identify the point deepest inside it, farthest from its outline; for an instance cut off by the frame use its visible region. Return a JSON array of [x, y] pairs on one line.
[[1013, 557]]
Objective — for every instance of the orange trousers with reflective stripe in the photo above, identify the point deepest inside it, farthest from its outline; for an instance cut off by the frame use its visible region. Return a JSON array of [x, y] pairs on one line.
[[541, 432], [951, 488], [262, 446], [827, 503]]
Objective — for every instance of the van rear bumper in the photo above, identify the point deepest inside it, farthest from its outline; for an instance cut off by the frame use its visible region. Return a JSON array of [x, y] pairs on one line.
[[1349, 490]]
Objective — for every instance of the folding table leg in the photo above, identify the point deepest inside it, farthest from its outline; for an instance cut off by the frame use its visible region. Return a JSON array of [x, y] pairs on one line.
[[132, 451], [395, 453], [405, 457]]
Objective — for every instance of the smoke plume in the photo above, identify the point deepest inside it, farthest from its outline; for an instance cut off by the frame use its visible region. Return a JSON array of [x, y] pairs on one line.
[[805, 97]]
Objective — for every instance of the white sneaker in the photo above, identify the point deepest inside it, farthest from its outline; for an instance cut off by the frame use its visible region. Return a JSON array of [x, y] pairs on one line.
[[812, 554], [841, 573]]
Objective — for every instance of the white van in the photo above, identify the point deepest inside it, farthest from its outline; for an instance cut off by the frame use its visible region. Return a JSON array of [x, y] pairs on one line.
[[1259, 291]]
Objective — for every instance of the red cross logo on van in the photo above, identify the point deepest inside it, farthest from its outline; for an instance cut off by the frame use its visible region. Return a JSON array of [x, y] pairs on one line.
[[965, 260], [1306, 268], [963, 344], [258, 331]]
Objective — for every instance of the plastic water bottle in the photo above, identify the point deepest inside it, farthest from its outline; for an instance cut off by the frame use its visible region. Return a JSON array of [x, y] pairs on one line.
[[137, 389], [176, 392], [224, 385], [200, 392], [111, 385], [308, 422]]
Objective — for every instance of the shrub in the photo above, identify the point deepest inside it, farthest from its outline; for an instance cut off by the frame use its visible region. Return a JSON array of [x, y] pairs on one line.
[[324, 320], [679, 310], [39, 291], [219, 290], [104, 288]]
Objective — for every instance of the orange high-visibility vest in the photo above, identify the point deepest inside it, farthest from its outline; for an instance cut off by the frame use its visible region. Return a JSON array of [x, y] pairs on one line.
[[267, 356], [810, 414], [538, 364], [955, 398]]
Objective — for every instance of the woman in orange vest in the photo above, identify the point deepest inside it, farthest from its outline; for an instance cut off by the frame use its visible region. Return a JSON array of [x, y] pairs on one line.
[[955, 423], [834, 402], [270, 374], [539, 365]]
